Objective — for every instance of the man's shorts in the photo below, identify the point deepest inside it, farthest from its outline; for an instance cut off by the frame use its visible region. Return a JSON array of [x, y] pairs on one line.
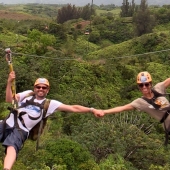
[[12, 137]]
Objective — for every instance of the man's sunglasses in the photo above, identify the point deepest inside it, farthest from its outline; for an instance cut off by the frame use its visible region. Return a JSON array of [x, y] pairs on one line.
[[41, 87], [143, 84]]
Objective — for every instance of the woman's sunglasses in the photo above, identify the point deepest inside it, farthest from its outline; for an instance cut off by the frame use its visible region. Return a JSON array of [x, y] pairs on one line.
[[143, 84]]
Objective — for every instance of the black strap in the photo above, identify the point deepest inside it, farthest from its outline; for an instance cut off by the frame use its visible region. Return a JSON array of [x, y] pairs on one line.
[[157, 94], [167, 133], [165, 116], [156, 106], [15, 112], [43, 106], [4, 123], [46, 104], [21, 119], [152, 100], [31, 102], [39, 133]]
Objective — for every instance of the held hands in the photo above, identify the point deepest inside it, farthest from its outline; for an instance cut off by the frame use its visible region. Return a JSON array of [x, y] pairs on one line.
[[98, 113], [11, 77]]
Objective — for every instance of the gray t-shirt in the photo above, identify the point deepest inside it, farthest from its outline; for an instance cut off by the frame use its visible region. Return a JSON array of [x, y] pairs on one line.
[[142, 105]]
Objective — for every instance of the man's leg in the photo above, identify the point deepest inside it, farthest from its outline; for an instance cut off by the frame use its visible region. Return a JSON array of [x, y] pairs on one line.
[[10, 157]]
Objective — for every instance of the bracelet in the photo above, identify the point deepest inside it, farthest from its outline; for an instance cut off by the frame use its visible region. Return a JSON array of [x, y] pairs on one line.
[[91, 109]]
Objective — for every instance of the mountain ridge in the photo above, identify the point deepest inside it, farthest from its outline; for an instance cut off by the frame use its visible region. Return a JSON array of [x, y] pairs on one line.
[[83, 2]]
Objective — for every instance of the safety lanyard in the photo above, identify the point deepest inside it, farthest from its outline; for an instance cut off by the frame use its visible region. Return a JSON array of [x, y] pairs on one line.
[[13, 87]]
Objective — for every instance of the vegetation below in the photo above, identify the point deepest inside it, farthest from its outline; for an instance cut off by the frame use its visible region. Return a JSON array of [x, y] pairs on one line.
[[91, 60]]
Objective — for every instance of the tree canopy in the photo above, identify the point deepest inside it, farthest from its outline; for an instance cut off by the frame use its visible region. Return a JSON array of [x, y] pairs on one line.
[[95, 70]]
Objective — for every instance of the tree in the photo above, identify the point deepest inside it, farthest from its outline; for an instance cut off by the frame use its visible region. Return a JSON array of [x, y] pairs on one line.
[[34, 35], [94, 37], [87, 11], [127, 8], [124, 8], [72, 12], [58, 30], [132, 8], [162, 15], [143, 20], [67, 13], [70, 153]]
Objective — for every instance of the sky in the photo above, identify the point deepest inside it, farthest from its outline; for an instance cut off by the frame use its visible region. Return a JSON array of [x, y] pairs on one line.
[[82, 2]]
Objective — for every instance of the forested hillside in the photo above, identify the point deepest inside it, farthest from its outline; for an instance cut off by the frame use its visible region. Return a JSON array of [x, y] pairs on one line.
[[91, 57]]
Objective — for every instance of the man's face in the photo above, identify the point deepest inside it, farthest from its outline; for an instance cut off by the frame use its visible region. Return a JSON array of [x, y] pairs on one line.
[[41, 90]]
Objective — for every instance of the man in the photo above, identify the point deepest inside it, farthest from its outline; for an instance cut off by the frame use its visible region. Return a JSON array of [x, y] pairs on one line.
[[152, 102], [13, 138]]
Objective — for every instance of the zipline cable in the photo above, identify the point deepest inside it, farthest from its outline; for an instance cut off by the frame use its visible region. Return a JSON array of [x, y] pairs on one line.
[[114, 58], [134, 55]]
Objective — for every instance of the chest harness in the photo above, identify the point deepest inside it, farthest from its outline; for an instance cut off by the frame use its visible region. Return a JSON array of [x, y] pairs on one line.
[[31, 102], [36, 131], [157, 107]]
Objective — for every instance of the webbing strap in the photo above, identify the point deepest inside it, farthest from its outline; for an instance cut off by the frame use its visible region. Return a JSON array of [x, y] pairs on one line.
[[31, 102], [39, 133], [156, 106], [166, 137], [46, 104], [43, 106], [15, 112], [13, 87], [4, 123], [165, 116], [152, 101]]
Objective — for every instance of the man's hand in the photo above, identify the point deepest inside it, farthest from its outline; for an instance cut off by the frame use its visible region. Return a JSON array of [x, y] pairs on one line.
[[98, 113], [11, 77]]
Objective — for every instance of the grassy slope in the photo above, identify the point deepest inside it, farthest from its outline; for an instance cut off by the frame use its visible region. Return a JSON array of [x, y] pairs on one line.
[[26, 12], [115, 11], [128, 47], [118, 50]]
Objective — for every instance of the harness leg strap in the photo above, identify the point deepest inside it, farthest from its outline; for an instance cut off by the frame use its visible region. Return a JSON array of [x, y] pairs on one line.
[[167, 132], [165, 116]]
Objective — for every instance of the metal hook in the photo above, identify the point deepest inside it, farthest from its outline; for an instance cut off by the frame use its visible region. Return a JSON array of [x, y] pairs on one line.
[[8, 55]]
